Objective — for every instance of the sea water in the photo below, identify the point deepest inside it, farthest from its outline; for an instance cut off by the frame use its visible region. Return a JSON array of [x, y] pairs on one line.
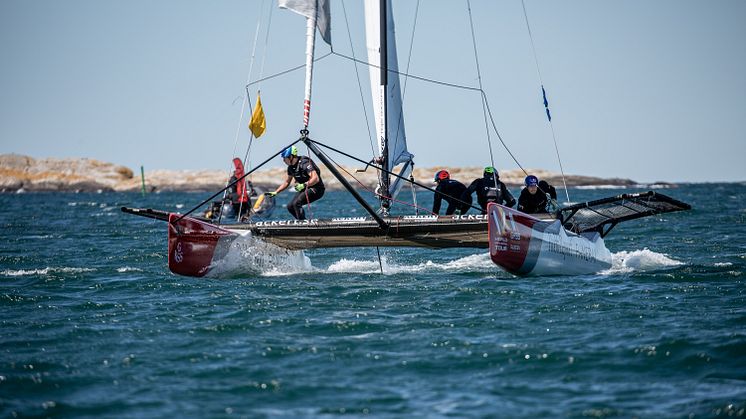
[[94, 324]]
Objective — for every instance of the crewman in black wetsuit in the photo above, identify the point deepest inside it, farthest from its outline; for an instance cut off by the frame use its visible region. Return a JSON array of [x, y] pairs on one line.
[[451, 191], [532, 201], [545, 187], [308, 184], [489, 188]]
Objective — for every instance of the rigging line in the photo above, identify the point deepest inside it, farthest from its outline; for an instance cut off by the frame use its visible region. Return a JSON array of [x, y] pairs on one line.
[[425, 79], [359, 84], [442, 83], [499, 137], [476, 89], [400, 119], [413, 182], [266, 42], [290, 70], [543, 92], [367, 189], [244, 101], [479, 78], [248, 77], [236, 181], [246, 159], [457, 86]]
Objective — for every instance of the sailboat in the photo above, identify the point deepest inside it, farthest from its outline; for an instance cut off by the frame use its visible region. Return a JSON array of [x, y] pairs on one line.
[[197, 245]]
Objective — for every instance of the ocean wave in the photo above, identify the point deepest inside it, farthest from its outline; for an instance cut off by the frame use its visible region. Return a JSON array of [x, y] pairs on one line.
[[639, 260], [124, 269], [45, 271]]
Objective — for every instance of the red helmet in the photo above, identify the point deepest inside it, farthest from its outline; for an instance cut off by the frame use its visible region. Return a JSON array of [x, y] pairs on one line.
[[442, 175]]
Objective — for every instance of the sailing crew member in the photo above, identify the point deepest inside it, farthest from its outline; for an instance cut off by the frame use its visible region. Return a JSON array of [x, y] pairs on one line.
[[545, 187], [532, 201], [239, 192], [489, 188], [308, 184], [451, 191]]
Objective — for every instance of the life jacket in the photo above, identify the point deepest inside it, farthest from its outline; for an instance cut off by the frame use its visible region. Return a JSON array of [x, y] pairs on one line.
[[241, 193], [491, 192], [299, 171]]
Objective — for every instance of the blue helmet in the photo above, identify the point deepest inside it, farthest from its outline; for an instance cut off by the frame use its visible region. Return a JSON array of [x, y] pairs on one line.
[[289, 152], [531, 180]]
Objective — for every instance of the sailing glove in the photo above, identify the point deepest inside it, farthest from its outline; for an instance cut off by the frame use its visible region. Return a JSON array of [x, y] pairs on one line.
[[299, 187], [270, 194]]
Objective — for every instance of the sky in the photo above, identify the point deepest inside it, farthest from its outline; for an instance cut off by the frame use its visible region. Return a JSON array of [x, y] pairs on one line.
[[638, 89]]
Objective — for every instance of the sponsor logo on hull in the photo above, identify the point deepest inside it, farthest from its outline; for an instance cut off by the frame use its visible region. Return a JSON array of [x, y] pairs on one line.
[[192, 244], [524, 245]]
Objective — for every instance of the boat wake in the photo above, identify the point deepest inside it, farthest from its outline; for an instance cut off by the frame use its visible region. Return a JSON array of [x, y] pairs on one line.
[[249, 255], [253, 256], [473, 263], [639, 260]]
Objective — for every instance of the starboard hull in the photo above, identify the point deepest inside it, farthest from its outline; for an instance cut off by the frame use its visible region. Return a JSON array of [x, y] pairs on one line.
[[527, 246]]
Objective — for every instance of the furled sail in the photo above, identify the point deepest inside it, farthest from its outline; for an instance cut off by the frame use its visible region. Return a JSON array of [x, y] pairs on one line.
[[397, 139]]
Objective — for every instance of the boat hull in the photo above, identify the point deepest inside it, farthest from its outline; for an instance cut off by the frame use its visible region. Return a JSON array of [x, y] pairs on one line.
[[528, 246], [437, 232], [195, 246]]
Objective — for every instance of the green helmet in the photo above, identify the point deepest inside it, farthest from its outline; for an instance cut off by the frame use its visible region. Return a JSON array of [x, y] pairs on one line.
[[489, 171]]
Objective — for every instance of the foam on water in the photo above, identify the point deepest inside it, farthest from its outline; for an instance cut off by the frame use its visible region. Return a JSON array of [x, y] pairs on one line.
[[45, 271], [639, 260], [248, 255], [473, 263], [128, 269]]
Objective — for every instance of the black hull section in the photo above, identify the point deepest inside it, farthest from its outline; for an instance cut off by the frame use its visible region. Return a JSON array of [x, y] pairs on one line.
[[410, 231]]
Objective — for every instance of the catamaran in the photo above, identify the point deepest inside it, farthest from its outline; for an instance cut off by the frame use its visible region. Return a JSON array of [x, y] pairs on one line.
[[519, 243]]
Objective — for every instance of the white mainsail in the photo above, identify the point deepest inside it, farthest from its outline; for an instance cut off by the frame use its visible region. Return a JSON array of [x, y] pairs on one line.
[[394, 123]]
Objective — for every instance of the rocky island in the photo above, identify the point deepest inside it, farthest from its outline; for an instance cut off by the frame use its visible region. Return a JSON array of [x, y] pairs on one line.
[[27, 174]]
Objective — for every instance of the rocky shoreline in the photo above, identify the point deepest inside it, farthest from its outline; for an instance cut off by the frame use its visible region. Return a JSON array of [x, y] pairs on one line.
[[20, 173]]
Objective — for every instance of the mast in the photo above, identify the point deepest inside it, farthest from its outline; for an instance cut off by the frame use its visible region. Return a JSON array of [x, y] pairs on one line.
[[310, 44], [385, 179], [317, 14]]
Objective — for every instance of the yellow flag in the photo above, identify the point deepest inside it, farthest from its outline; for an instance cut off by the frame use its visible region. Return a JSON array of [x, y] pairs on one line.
[[258, 124]]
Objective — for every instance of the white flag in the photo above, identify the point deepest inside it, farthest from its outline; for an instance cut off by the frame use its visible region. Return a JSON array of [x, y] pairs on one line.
[[309, 8]]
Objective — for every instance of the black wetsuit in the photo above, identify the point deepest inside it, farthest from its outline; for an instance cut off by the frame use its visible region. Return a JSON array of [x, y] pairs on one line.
[[451, 191], [532, 204], [300, 171], [547, 188], [487, 192]]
